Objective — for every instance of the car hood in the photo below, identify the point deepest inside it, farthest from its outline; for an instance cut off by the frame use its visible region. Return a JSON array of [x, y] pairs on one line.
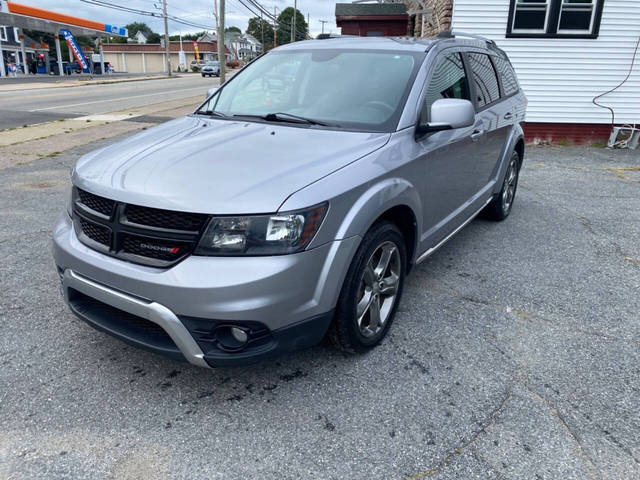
[[203, 165]]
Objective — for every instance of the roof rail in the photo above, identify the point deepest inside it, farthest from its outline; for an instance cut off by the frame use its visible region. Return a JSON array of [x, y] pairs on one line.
[[456, 33]]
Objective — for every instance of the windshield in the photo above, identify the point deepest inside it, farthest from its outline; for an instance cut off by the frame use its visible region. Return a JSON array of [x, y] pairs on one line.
[[362, 90], [211, 64]]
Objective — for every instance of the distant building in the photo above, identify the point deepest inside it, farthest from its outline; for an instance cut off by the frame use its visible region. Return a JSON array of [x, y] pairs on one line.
[[139, 38], [208, 37], [151, 58], [244, 47], [372, 19], [11, 51]]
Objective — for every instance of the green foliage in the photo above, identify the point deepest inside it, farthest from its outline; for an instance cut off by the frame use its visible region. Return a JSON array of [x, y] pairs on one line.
[[285, 23], [257, 26], [153, 37], [233, 29]]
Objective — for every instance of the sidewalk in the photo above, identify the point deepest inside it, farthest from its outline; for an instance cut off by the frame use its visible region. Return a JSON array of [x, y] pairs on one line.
[[35, 82]]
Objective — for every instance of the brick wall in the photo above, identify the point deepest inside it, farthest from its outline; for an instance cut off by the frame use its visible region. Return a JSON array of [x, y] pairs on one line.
[[440, 16]]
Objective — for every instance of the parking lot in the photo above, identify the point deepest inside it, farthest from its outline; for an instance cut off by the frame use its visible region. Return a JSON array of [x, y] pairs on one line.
[[515, 354]]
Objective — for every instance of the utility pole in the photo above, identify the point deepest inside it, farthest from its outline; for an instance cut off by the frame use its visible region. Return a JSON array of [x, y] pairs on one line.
[[167, 51], [293, 21], [323, 22], [275, 38], [222, 59]]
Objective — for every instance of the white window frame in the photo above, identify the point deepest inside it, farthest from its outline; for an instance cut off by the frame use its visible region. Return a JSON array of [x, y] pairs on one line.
[[530, 6], [566, 5], [3, 34]]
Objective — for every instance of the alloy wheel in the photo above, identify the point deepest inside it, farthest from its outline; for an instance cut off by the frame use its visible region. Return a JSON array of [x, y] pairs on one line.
[[378, 289], [510, 184]]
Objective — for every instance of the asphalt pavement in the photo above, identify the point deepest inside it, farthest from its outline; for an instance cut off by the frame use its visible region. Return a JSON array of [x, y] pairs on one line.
[[28, 107], [515, 355]]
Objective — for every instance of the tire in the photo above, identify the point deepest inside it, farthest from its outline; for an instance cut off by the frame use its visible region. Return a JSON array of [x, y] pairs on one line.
[[364, 285], [203, 75], [500, 207]]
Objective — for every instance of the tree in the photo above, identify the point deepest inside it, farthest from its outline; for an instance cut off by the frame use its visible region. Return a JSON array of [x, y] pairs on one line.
[[232, 30], [153, 37], [284, 26], [256, 28]]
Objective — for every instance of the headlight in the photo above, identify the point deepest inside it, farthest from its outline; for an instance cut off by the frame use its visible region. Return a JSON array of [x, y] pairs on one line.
[[276, 234]]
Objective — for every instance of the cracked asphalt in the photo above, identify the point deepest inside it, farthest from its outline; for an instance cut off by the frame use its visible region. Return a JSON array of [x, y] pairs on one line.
[[515, 355]]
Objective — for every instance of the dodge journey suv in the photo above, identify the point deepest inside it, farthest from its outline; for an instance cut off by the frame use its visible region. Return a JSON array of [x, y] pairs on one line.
[[279, 213]]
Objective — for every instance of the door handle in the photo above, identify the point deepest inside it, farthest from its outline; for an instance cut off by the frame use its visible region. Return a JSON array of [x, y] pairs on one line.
[[508, 116], [477, 135]]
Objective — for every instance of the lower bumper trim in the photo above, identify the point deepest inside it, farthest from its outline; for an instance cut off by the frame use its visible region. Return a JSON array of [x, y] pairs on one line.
[[151, 311]]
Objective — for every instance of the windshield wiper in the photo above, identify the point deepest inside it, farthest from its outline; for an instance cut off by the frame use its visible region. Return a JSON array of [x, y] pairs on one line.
[[287, 117]]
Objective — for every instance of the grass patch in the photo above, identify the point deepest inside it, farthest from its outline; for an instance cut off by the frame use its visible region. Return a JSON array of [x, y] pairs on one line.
[[563, 142]]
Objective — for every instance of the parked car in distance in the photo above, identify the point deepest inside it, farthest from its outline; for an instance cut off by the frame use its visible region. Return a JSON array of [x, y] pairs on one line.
[[271, 218], [211, 69], [53, 67], [97, 67]]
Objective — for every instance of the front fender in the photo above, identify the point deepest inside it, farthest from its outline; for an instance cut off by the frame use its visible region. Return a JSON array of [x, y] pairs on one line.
[[373, 202]]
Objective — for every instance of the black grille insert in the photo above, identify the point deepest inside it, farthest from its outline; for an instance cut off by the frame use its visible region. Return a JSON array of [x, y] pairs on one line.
[[148, 236], [96, 203], [153, 248], [165, 219], [96, 232]]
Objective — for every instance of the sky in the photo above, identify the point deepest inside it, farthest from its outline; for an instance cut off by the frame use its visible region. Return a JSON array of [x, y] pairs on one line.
[[200, 11]]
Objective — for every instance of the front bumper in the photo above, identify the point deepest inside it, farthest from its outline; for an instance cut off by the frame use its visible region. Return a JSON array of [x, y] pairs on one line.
[[291, 296]]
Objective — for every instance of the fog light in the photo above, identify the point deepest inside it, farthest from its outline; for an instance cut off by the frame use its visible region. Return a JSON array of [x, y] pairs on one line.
[[231, 338], [239, 334]]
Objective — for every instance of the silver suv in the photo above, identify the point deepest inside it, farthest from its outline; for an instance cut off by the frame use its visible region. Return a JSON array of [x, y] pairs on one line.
[[292, 204]]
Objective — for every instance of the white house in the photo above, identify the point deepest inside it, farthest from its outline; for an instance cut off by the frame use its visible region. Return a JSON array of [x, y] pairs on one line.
[[566, 53], [140, 38]]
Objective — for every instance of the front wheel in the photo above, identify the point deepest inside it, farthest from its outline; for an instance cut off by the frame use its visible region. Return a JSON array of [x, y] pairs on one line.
[[500, 207], [371, 290]]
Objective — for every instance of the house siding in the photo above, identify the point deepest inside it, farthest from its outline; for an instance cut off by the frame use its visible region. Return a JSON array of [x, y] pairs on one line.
[[562, 76]]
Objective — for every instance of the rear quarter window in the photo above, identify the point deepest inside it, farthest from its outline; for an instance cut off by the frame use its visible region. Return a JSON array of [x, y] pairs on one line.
[[507, 75]]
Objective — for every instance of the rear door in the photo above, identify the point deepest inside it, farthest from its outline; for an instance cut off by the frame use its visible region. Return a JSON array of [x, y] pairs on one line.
[[494, 116]]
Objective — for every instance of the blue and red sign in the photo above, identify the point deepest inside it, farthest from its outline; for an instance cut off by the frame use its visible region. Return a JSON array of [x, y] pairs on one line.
[[75, 48]]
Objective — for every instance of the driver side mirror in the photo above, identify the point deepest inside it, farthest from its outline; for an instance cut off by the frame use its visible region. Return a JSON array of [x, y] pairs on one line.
[[447, 114]]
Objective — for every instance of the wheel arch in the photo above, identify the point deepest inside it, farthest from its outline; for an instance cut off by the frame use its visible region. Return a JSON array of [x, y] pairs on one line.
[[395, 200]]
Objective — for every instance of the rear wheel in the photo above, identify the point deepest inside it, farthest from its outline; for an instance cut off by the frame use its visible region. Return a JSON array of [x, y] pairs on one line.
[[500, 207], [371, 290]]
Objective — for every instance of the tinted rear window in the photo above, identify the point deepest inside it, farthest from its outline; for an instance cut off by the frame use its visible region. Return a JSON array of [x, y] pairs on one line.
[[484, 79], [507, 75]]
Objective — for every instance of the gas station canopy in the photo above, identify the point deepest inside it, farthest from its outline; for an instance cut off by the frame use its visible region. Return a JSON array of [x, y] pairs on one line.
[[34, 18]]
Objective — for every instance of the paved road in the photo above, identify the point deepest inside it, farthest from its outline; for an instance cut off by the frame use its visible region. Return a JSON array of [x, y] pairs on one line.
[[28, 107], [515, 355]]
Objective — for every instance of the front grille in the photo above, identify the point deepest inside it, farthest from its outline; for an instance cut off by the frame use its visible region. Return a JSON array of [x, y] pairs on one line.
[[148, 236], [160, 250], [96, 232], [96, 203], [153, 217]]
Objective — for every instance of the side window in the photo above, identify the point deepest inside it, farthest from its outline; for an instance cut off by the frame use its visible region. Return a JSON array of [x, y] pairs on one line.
[[484, 79], [448, 81], [507, 75]]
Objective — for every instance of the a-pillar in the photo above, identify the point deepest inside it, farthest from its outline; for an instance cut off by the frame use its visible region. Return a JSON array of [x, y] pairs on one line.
[[59, 55]]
